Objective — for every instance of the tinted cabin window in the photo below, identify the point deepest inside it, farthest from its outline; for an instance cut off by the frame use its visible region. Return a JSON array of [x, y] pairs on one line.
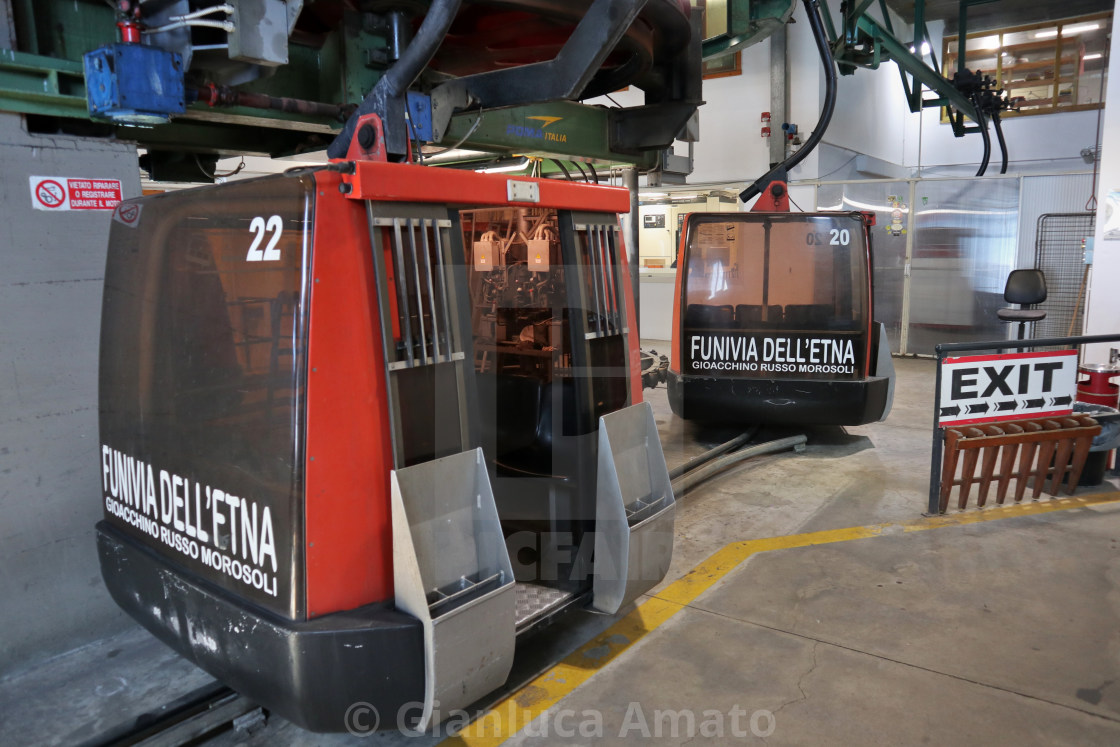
[[770, 296], [521, 327], [425, 342], [201, 376]]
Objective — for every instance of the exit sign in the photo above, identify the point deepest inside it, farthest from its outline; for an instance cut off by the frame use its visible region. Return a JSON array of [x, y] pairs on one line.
[[984, 388]]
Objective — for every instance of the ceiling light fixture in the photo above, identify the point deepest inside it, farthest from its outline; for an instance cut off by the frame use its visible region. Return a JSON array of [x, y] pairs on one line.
[[1078, 28]]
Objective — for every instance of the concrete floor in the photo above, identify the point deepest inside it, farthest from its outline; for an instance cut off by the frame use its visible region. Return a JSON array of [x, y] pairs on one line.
[[1000, 631]]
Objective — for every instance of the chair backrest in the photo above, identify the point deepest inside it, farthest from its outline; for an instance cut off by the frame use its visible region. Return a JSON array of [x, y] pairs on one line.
[[1025, 287]]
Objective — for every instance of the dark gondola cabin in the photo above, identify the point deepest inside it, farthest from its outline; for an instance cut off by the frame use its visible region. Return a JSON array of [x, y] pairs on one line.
[[773, 321], [364, 425]]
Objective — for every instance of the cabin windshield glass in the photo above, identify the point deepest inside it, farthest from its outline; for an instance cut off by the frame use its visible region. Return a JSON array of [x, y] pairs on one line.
[[201, 378], [767, 294]]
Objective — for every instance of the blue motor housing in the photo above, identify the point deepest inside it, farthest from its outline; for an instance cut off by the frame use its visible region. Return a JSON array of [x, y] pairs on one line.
[[134, 84]]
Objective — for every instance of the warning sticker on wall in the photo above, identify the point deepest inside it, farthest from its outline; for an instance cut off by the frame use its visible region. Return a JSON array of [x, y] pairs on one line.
[[64, 193]]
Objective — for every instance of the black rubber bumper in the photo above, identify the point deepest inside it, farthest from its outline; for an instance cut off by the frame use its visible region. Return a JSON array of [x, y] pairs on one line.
[[309, 672], [778, 401]]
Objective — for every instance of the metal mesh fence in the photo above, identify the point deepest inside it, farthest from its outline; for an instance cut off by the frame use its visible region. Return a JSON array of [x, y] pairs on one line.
[[1059, 253]]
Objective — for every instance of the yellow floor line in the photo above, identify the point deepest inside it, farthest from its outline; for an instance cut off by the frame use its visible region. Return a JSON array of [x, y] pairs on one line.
[[512, 714]]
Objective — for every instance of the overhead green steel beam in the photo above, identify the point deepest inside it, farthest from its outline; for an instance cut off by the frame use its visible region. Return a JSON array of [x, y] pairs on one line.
[[962, 30], [561, 128], [35, 84], [915, 66], [748, 22]]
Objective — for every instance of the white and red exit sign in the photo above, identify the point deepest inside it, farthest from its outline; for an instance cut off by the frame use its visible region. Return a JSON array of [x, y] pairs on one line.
[[66, 193], [983, 388]]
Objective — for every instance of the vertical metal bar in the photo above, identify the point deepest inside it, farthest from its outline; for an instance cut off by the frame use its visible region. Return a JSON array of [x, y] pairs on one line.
[[919, 25], [908, 267], [402, 293], [962, 37], [934, 504], [616, 279], [431, 287], [826, 16], [779, 92], [445, 298], [594, 284], [601, 275], [887, 16], [383, 306], [419, 293], [608, 278], [27, 35], [630, 181]]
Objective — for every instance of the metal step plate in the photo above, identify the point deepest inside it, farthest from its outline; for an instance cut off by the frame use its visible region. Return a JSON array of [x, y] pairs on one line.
[[535, 602]]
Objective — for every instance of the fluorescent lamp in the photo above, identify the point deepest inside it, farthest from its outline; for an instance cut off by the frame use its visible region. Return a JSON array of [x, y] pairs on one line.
[[1067, 30], [520, 166], [653, 194], [988, 42], [1093, 56]]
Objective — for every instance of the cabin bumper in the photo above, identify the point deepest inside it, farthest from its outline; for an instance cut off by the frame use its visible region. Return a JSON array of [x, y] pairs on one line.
[[779, 401], [313, 672]]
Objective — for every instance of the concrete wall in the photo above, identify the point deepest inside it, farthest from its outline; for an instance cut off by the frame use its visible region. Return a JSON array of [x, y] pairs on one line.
[[50, 307]]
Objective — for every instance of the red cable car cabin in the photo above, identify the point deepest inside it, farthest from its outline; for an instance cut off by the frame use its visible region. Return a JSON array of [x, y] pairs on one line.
[[363, 425], [773, 321]]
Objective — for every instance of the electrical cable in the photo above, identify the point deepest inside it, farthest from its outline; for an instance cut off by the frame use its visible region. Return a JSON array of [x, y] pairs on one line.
[[225, 8], [566, 172], [812, 9], [690, 480], [464, 138], [983, 124], [581, 171], [710, 454], [1002, 142], [594, 174], [215, 174], [227, 26]]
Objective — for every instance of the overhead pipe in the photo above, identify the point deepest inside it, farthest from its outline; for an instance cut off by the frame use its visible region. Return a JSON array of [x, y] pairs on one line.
[[812, 8], [215, 95]]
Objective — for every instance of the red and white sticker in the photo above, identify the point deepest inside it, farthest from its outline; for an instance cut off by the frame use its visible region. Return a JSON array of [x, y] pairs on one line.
[[65, 193], [128, 213]]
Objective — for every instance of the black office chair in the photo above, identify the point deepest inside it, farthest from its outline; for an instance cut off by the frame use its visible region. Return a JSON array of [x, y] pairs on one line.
[[1026, 288]]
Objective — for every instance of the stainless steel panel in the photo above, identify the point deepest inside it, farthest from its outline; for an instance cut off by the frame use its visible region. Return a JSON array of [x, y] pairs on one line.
[[452, 572], [634, 509]]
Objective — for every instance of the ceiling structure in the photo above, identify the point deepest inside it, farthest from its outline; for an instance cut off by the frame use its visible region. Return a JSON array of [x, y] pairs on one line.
[[1001, 13]]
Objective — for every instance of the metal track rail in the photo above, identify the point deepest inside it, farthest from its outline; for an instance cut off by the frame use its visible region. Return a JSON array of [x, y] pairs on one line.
[[198, 714]]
